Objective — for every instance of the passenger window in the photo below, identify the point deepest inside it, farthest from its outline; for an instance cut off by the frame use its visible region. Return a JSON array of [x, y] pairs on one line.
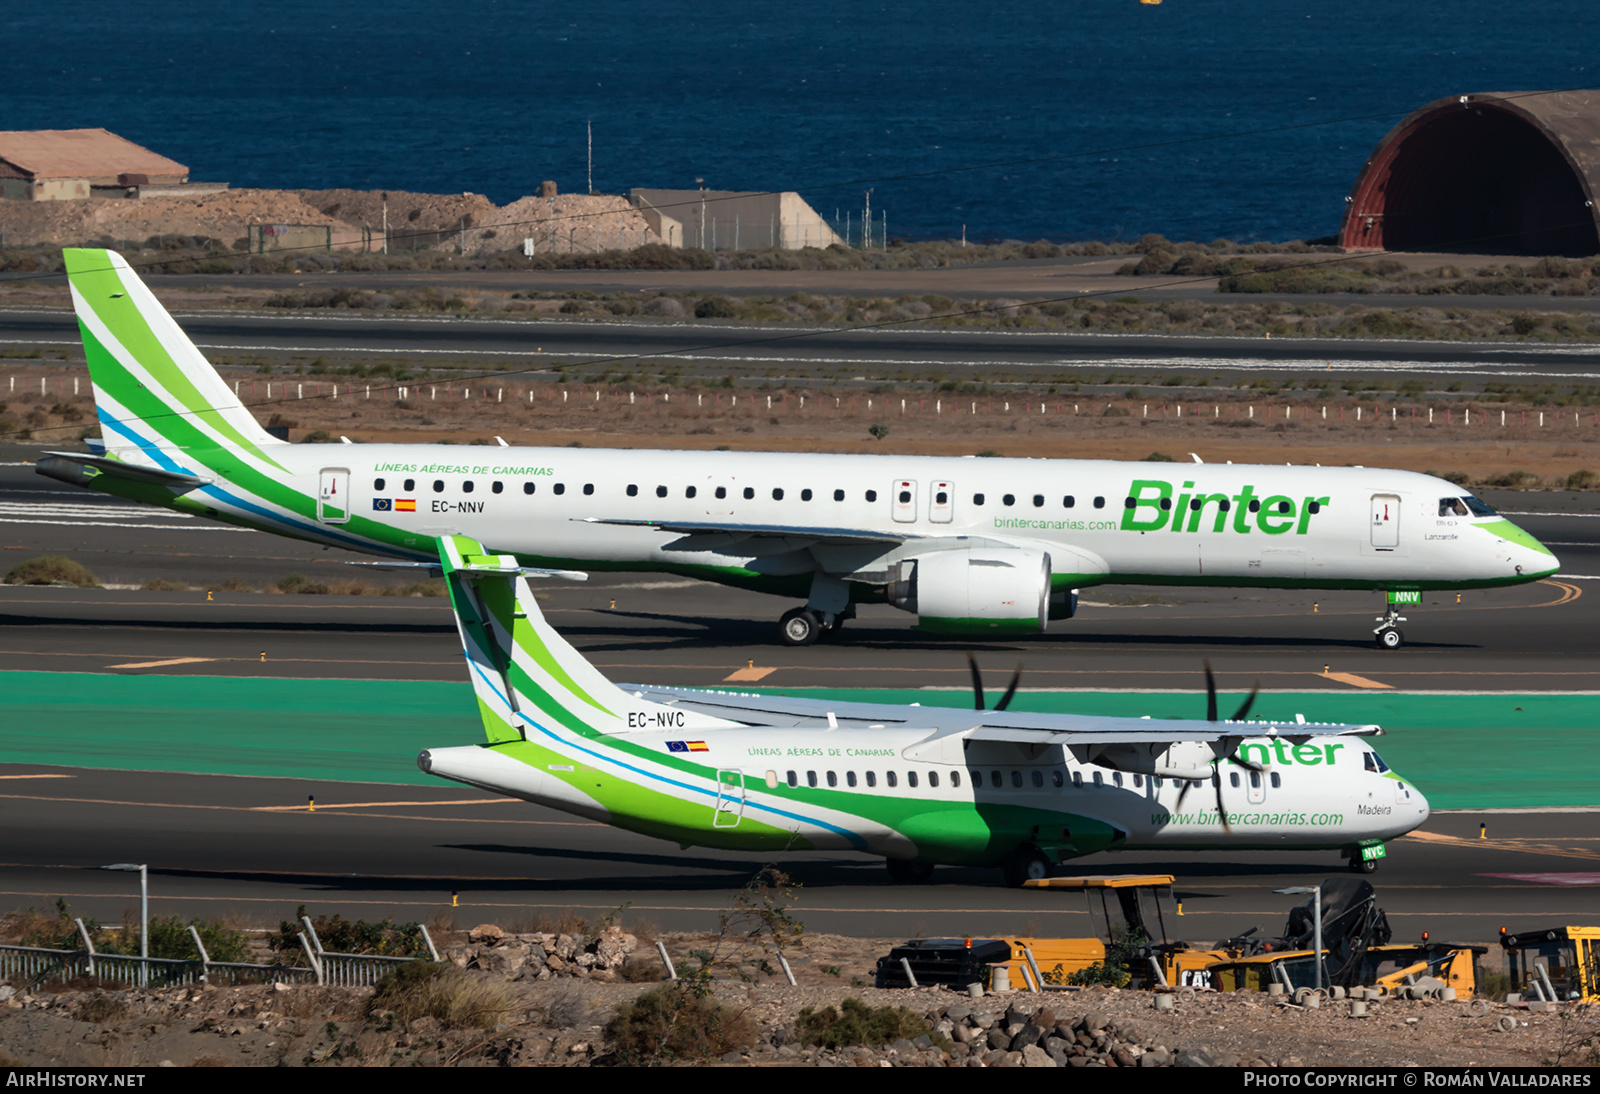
[[688, 491], [941, 498], [1276, 781], [805, 495], [1255, 780], [722, 492], [377, 484], [1098, 781], [527, 488], [1311, 507], [811, 778], [1068, 501], [850, 778], [1224, 505], [833, 780], [749, 492], [996, 780], [838, 495], [559, 488], [872, 495], [905, 497], [888, 778], [1057, 779], [661, 491], [794, 778], [633, 490], [1077, 779], [411, 484], [1038, 779], [911, 779], [1195, 503], [872, 779], [438, 486], [1233, 779], [1138, 781], [977, 499], [1009, 499], [1038, 501], [777, 493], [1099, 503], [466, 486], [933, 779], [1116, 778], [1016, 779], [977, 778], [1255, 505], [588, 489], [1283, 507], [498, 487], [955, 778]]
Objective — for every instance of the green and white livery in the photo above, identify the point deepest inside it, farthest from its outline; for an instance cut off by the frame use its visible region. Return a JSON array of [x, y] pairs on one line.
[[971, 546], [918, 786]]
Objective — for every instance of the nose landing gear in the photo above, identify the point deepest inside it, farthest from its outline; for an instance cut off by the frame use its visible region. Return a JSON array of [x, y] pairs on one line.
[[1387, 634]]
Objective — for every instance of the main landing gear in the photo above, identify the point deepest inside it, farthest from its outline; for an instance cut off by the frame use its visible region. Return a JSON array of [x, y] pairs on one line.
[[803, 626], [909, 871], [1387, 634]]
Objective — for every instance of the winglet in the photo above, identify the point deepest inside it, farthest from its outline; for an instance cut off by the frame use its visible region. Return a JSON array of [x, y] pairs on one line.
[[526, 676]]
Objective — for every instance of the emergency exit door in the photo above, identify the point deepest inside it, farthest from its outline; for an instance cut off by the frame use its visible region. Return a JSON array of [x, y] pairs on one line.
[[1385, 522], [333, 495]]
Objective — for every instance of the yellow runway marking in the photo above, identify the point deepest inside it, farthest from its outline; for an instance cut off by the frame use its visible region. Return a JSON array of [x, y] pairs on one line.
[[159, 664], [1522, 845], [1353, 680], [38, 776], [751, 673]]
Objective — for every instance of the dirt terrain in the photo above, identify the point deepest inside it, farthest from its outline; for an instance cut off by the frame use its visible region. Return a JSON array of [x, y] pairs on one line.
[[559, 1019], [1465, 439]]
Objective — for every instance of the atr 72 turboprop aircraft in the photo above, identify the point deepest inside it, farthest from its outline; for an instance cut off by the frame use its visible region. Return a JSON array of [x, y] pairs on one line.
[[920, 786], [972, 546]]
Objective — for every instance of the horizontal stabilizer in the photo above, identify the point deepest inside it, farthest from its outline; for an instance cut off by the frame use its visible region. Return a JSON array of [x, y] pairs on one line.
[[78, 468]]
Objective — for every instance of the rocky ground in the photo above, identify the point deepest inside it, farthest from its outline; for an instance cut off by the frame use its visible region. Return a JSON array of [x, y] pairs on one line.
[[458, 223], [557, 1018]]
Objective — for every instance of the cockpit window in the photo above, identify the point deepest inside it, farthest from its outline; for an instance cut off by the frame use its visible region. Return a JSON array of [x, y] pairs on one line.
[[1452, 507], [1478, 508], [1374, 762]]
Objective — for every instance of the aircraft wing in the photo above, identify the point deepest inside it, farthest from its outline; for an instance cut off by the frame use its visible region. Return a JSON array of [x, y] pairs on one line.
[[1071, 730], [812, 534]]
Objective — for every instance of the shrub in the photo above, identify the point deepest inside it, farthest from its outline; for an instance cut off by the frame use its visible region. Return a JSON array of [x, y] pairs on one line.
[[51, 570], [427, 989], [672, 1023], [169, 937], [1582, 480], [879, 432], [716, 307], [855, 1023]]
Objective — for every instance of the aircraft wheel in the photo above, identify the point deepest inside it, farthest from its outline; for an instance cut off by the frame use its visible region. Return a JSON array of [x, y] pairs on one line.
[[1390, 638], [1359, 865], [908, 871], [799, 627], [1027, 864]]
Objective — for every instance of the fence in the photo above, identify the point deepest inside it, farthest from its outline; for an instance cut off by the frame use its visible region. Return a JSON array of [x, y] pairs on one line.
[[34, 965]]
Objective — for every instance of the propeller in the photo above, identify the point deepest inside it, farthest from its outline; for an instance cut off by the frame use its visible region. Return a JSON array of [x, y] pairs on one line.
[[977, 686], [1211, 716]]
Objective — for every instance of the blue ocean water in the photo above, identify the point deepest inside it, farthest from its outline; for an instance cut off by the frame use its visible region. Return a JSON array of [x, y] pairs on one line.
[[1096, 109]]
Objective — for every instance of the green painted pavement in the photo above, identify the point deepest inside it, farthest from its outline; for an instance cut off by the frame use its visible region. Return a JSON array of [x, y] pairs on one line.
[[1464, 751]]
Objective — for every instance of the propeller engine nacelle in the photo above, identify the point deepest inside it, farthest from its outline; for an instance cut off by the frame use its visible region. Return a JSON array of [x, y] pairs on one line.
[[1191, 760], [977, 590]]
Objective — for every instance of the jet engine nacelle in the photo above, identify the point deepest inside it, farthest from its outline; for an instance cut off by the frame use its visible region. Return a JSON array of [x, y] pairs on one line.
[[978, 590]]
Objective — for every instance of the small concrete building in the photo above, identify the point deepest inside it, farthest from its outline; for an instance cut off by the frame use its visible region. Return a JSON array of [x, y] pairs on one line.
[[70, 164], [731, 220]]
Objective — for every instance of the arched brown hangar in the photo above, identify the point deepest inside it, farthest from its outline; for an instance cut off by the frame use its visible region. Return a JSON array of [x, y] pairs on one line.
[[1510, 172]]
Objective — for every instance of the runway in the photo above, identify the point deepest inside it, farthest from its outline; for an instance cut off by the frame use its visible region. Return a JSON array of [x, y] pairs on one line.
[[247, 846], [539, 344]]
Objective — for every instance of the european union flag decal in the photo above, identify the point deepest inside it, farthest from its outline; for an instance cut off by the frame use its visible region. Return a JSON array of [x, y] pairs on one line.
[[677, 746], [382, 505]]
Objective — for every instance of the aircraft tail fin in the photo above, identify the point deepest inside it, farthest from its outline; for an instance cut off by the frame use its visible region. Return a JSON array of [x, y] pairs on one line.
[[526, 676], [153, 388]]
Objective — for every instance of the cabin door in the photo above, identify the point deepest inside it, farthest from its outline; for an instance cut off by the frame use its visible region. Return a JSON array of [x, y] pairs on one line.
[[729, 810], [333, 495], [1385, 522]]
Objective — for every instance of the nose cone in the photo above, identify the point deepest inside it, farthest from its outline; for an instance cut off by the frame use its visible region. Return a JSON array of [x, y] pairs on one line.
[[1420, 802], [1530, 559]]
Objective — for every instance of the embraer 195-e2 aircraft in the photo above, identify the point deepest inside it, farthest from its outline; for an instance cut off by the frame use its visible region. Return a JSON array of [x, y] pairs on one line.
[[972, 546], [920, 786]]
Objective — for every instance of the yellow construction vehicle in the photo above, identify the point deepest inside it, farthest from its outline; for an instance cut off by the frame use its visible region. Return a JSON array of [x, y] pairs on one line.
[[1559, 961]]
